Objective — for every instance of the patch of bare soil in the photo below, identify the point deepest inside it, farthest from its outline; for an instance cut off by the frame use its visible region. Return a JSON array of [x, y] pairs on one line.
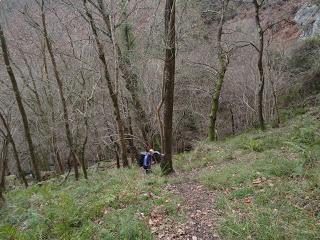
[[197, 206]]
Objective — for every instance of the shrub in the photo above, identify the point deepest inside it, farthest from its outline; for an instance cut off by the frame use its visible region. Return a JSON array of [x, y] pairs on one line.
[[304, 57], [304, 63], [255, 145]]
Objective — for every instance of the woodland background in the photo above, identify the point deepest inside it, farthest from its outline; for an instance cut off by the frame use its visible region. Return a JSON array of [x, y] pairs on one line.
[[136, 30]]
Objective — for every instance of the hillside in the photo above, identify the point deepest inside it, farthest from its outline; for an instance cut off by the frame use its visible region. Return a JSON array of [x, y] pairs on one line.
[[256, 185], [159, 119]]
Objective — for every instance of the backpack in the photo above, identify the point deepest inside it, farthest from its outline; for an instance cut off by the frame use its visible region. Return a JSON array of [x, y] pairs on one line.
[[141, 158]]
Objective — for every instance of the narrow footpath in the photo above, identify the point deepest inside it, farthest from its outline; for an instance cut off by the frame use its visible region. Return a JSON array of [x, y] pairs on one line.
[[198, 208]]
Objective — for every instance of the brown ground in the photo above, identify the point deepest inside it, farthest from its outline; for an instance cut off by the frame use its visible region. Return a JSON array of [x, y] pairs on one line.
[[198, 208]]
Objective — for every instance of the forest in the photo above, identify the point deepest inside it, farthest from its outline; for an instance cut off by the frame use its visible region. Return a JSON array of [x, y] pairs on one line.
[[159, 119]]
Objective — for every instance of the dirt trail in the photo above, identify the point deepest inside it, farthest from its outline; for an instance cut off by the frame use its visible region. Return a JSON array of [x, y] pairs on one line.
[[197, 205]]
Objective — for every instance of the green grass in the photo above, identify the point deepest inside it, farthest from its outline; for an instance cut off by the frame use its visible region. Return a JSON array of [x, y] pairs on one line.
[[272, 189], [106, 206], [267, 183], [204, 155]]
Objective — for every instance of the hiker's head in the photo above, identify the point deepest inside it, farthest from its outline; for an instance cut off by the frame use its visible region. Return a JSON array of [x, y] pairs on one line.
[[151, 151]]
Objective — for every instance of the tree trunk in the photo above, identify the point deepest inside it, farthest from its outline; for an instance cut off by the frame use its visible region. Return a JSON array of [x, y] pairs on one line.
[[53, 118], [168, 78], [17, 94], [15, 151], [112, 92], [3, 167], [34, 90], [260, 64], [223, 63], [233, 127], [129, 130], [56, 151], [276, 106], [61, 93]]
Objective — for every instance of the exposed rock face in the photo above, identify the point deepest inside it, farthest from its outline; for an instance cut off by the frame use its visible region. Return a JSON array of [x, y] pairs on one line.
[[308, 17], [316, 26]]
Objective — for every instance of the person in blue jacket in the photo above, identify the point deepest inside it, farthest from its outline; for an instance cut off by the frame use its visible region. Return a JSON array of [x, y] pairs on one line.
[[147, 159]]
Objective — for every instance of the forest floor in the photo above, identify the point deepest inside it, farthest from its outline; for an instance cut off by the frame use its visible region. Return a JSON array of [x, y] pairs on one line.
[[256, 185], [197, 205]]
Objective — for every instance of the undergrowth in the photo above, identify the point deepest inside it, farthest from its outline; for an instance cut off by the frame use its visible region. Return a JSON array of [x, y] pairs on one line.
[[267, 185], [110, 205], [272, 188]]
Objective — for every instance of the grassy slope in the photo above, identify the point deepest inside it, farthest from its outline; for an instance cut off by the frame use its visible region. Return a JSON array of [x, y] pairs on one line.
[[111, 205], [268, 183], [268, 186]]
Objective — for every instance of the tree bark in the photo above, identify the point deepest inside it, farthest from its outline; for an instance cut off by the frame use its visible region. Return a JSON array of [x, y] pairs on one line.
[[260, 63], [233, 126], [112, 92], [3, 167], [23, 114], [168, 78]]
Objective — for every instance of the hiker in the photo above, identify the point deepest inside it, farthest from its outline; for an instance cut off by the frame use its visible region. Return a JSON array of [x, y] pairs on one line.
[[145, 159]]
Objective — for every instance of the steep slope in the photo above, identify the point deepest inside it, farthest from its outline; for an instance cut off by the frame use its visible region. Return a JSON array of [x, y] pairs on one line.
[[257, 185], [267, 184]]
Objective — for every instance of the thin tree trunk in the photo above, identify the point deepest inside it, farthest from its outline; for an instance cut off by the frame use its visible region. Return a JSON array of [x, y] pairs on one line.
[[14, 149], [232, 120], [117, 157], [160, 122], [61, 93], [169, 77], [260, 64], [275, 97], [84, 144], [132, 148], [113, 94], [223, 63], [53, 119], [55, 148], [100, 153], [3, 167], [17, 94], [35, 90]]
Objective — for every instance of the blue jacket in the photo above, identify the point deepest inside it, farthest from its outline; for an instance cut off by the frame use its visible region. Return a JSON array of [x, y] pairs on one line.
[[147, 160]]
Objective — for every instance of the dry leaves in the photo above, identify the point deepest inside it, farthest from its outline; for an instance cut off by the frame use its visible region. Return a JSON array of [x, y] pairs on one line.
[[198, 208]]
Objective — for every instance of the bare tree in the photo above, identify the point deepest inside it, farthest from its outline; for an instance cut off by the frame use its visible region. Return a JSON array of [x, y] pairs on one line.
[[112, 91], [14, 149], [62, 98], [132, 79], [260, 49], [223, 64], [23, 114]]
